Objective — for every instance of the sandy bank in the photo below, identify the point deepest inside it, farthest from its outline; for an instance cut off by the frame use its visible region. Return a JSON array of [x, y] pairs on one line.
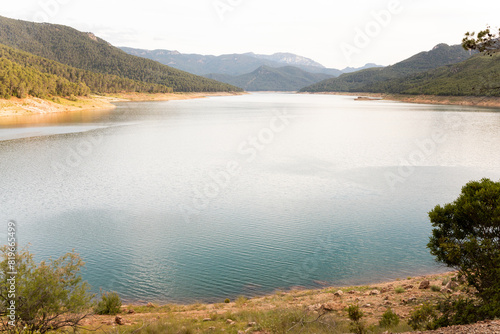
[[33, 105]]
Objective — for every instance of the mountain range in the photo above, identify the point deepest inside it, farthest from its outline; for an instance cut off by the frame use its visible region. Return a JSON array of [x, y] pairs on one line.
[[230, 64], [250, 71]]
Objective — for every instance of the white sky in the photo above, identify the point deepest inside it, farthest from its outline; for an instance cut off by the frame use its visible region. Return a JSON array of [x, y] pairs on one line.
[[317, 29]]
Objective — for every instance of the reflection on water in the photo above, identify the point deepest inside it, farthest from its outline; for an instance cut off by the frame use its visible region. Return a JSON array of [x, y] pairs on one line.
[[206, 199], [57, 118]]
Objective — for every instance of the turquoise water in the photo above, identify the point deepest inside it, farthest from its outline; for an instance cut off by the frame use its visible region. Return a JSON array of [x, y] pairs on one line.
[[208, 199]]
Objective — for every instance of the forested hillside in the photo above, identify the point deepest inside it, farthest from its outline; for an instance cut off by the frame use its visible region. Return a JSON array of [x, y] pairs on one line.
[[477, 76], [33, 66], [85, 51], [18, 81], [360, 81]]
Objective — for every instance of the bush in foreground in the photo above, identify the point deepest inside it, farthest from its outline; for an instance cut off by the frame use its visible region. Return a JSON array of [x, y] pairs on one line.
[[466, 237], [48, 296], [110, 303]]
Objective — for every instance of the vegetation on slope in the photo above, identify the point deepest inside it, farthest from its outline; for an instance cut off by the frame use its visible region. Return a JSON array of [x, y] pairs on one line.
[[19, 81], [24, 73], [360, 81], [85, 51], [477, 76], [265, 78]]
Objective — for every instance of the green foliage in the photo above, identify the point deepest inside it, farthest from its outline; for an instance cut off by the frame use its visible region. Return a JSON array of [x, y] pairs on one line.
[[367, 80], [477, 76], [423, 317], [389, 319], [459, 312], [466, 236], [435, 288], [22, 73], [486, 41], [49, 295], [110, 303], [19, 81], [354, 313], [399, 289], [87, 52], [227, 300]]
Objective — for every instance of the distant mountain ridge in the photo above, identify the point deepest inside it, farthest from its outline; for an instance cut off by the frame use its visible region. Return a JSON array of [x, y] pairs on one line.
[[288, 59], [87, 52], [230, 64], [265, 78], [361, 81]]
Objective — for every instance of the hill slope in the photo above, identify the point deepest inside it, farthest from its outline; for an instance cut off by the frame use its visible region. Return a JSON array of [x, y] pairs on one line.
[[359, 81], [41, 77], [477, 76], [230, 64], [85, 51], [265, 78]]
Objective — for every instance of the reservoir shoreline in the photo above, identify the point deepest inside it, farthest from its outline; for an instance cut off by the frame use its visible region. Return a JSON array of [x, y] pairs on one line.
[[473, 101], [34, 105]]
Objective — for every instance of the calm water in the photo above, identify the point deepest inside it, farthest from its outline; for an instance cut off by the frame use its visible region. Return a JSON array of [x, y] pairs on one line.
[[205, 199]]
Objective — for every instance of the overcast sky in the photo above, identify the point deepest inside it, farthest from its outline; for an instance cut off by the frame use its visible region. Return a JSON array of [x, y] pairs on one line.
[[337, 34]]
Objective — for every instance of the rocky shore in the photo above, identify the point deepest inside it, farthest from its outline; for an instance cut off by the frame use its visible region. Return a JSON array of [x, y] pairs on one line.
[[256, 315]]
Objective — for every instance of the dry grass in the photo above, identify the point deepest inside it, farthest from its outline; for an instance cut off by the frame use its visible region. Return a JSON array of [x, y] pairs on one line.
[[282, 312]]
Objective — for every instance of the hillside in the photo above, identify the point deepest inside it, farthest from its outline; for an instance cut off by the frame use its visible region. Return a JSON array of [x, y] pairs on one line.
[[359, 81], [265, 78], [477, 76], [229, 64], [88, 52], [23, 73]]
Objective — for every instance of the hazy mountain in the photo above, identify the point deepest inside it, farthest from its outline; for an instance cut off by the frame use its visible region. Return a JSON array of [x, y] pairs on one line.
[[354, 69], [230, 64], [288, 59], [265, 78], [88, 52], [360, 81]]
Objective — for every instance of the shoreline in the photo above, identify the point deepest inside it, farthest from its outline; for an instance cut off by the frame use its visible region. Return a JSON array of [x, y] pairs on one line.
[[35, 106], [473, 101], [400, 295]]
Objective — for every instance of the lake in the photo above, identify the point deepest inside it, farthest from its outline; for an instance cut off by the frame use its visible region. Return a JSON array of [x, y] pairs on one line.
[[202, 200]]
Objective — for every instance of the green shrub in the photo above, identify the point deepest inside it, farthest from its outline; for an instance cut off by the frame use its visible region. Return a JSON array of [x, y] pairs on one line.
[[355, 314], [423, 317], [110, 303], [227, 300], [389, 319], [465, 311], [399, 289], [49, 295], [435, 288]]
